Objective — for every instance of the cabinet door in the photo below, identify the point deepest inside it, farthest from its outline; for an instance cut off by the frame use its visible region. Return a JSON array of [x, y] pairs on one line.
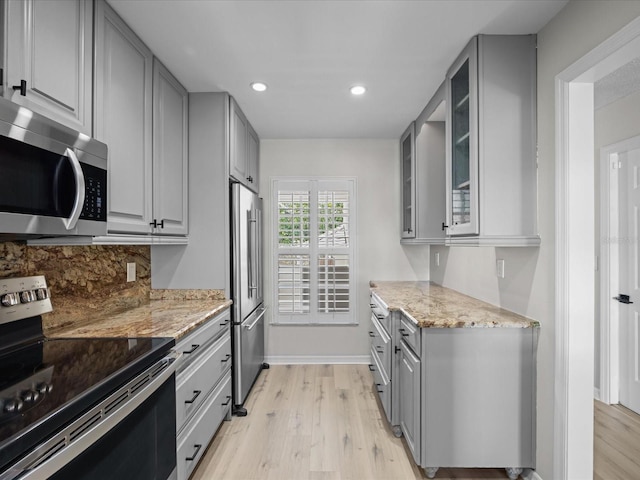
[[462, 143], [253, 159], [123, 109], [408, 187], [170, 117], [237, 143], [49, 46], [409, 377]]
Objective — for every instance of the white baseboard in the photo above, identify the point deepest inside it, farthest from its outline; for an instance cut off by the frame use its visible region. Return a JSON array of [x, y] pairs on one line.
[[318, 359], [596, 393]]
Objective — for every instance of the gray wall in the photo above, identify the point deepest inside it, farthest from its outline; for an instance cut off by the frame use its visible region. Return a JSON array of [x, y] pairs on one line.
[[529, 284], [376, 166]]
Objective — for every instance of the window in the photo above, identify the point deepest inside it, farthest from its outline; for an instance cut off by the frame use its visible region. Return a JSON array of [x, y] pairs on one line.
[[314, 249]]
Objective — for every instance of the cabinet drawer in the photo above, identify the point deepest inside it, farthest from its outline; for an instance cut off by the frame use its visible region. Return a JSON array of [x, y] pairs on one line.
[[381, 312], [381, 343], [193, 441], [194, 383], [194, 343], [410, 333], [382, 384]]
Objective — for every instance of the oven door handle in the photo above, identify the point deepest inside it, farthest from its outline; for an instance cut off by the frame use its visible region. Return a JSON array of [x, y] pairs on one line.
[[70, 223], [53, 454]]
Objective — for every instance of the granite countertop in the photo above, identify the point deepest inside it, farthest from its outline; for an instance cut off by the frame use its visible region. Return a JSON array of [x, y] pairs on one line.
[[433, 306], [158, 318]]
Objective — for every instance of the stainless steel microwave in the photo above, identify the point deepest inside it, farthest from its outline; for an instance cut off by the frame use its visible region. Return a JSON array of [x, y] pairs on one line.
[[53, 179]]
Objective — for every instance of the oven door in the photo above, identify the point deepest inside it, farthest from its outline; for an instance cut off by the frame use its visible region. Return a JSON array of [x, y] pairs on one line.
[[131, 434]]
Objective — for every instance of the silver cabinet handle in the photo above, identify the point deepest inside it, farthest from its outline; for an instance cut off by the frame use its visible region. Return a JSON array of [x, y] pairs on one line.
[[70, 222]]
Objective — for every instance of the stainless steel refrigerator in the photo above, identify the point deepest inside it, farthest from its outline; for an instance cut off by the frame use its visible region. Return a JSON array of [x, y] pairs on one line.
[[247, 292]]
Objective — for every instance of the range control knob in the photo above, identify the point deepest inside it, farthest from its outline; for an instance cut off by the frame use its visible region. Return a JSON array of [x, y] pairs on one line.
[[43, 387], [27, 296], [10, 299], [13, 405], [30, 395], [41, 293]]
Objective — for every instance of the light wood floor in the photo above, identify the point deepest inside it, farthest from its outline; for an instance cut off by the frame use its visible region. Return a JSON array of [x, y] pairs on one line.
[[323, 422], [315, 422], [616, 443]]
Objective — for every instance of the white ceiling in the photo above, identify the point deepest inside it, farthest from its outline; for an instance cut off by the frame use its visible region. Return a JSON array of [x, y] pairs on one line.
[[310, 52]]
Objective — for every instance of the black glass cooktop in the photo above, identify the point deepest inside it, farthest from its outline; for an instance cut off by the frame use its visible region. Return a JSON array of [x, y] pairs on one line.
[[47, 383]]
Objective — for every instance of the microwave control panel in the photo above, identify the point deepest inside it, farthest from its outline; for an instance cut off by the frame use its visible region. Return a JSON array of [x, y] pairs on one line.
[[95, 199]]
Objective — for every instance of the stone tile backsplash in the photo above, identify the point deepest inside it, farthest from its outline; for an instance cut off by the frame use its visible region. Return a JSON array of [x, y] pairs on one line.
[[82, 279]]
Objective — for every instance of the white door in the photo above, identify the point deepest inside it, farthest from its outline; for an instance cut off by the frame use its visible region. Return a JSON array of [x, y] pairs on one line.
[[629, 268]]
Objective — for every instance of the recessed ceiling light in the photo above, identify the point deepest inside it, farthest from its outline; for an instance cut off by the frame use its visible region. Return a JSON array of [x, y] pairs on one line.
[[259, 86], [358, 90]]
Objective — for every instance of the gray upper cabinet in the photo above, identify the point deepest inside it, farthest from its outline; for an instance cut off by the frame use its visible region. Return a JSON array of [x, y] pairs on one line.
[[244, 148], [123, 112], [253, 158], [141, 113], [48, 58], [170, 153], [408, 186], [491, 178], [423, 175]]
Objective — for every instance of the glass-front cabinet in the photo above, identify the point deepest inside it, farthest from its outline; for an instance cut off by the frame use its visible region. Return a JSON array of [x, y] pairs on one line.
[[462, 144], [408, 171]]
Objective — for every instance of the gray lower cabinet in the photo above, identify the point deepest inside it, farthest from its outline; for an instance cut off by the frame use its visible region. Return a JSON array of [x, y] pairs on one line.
[[203, 390], [409, 379], [464, 397], [382, 356], [478, 398]]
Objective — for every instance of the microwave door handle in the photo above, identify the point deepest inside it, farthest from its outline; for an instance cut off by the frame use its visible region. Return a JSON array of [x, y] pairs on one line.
[[70, 222]]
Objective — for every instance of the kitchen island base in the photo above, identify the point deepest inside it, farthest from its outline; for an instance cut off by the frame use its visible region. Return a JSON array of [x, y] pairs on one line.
[[465, 378], [477, 402]]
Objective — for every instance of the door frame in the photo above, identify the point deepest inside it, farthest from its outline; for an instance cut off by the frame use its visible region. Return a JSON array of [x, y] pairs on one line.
[[609, 273], [574, 246]]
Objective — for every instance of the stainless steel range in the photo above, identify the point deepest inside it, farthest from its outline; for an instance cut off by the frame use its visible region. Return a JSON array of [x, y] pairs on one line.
[[80, 408]]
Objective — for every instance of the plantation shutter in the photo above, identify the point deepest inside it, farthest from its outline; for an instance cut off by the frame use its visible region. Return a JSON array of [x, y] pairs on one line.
[[314, 251]]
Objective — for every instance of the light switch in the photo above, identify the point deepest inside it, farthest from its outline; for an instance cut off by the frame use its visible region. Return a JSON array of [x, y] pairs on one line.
[[437, 259], [500, 268]]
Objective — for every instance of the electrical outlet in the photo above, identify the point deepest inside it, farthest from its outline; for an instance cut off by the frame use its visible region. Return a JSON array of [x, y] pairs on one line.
[[437, 259], [131, 272], [500, 268]]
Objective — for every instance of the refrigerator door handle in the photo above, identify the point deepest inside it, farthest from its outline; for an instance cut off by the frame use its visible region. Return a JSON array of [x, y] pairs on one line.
[[250, 251], [255, 322], [259, 254], [253, 252]]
